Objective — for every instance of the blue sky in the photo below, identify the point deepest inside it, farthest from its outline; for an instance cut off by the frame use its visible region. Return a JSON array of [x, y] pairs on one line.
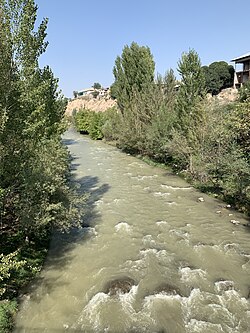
[[85, 36]]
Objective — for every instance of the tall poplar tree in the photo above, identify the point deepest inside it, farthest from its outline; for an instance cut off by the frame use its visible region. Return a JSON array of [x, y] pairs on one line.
[[34, 165], [192, 89], [133, 72]]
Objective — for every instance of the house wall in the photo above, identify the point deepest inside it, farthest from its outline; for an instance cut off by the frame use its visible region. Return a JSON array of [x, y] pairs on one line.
[[246, 66], [242, 76]]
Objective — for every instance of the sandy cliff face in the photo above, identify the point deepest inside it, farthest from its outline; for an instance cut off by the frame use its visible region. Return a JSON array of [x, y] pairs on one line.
[[225, 96], [104, 103], [93, 104]]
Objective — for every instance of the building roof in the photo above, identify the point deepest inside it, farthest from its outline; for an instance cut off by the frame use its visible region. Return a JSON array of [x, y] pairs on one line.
[[87, 89], [242, 58]]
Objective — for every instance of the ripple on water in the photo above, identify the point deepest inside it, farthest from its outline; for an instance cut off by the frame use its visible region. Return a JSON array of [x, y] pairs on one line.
[[199, 326], [98, 202], [200, 312], [119, 307], [149, 241], [193, 277], [123, 227], [137, 164], [224, 285], [141, 178], [91, 231], [175, 188], [117, 200], [180, 234], [206, 312], [163, 225], [91, 311], [128, 174], [171, 203], [161, 194], [147, 189]]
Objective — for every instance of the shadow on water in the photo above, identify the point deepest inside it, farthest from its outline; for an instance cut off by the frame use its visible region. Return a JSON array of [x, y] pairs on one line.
[[62, 245], [91, 187], [68, 142]]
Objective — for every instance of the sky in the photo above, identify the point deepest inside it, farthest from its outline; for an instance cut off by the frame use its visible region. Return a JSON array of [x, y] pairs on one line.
[[86, 36]]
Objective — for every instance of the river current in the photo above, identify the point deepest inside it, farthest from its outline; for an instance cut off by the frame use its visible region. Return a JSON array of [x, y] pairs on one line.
[[156, 255]]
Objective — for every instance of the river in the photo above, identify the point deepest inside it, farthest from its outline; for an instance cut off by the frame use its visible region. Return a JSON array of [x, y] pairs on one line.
[[152, 258]]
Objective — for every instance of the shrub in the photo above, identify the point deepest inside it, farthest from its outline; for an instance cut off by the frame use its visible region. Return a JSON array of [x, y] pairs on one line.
[[89, 122], [111, 124], [245, 92], [95, 125], [10, 264], [82, 121], [7, 311]]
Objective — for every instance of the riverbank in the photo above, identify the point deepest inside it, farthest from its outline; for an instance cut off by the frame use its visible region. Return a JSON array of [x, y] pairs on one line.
[[197, 185], [209, 190]]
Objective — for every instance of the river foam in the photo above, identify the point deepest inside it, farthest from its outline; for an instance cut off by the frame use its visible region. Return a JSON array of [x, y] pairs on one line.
[[123, 227]]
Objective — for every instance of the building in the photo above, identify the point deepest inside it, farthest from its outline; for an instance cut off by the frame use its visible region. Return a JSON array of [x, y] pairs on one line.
[[243, 75], [92, 93], [85, 92]]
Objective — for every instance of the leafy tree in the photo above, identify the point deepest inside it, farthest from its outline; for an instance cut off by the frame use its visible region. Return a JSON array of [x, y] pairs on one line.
[[90, 122], [75, 94], [82, 121], [97, 85], [162, 102], [111, 123], [219, 75], [113, 91], [192, 89], [146, 124], [9, 265], [35, 194], [96, 123], [133, 72]]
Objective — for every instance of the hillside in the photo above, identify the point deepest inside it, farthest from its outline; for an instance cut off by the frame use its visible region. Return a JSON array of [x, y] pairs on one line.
[[94, 104]]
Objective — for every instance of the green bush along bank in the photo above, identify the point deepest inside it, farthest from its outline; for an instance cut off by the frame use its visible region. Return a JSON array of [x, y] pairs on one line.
[[89, 122]]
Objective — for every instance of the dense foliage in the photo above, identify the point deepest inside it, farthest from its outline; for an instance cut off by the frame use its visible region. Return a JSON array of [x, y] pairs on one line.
[[245, 92], [133, 72], [219, 75], [176, 124], [191, 92], [89, 122], [35, 195]]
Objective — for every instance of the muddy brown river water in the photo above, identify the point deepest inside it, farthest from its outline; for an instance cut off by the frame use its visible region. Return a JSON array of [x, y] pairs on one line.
[[153, 258]]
